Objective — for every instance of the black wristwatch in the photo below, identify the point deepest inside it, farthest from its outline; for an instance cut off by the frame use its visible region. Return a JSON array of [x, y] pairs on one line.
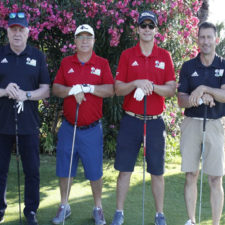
[[28, 94]]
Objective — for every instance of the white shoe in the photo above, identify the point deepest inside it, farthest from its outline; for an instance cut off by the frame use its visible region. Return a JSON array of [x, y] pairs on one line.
[[189, 223]]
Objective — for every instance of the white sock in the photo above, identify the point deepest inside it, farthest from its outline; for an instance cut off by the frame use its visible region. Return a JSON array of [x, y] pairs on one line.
[[119, 211]]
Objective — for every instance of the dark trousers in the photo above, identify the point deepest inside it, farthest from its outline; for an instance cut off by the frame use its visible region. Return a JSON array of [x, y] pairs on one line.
[[29, 152]]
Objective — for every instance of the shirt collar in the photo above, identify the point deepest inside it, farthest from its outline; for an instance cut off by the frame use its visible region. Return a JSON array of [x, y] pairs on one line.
[[215, 63], [153, 54], [92, 60], [9, 51]]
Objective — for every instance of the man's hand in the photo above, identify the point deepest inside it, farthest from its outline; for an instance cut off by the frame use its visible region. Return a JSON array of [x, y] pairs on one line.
[[145, 85], [208, 100], [196, 95], [139, 94], [12, 90], [76, 89], [80, 97]]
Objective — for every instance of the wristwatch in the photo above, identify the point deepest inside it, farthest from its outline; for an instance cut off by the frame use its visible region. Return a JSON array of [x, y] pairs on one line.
[[28, 94]]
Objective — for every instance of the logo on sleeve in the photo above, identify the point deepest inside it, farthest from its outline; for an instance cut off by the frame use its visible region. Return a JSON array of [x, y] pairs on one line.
[[31, 62], [160, 65], [4, 60], [219, 72], [95, 71]]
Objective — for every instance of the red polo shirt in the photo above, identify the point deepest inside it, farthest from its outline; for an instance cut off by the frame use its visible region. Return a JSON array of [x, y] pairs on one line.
[[96, 71], [158, 68]]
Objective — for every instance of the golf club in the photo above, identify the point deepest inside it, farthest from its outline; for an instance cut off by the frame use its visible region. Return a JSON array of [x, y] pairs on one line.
[[203, 149], [144, 155], [17, 159], [71, 158]]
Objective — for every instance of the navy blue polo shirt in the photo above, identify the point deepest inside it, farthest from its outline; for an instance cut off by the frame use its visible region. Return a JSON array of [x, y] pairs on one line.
[[28, 70], [194, 74]]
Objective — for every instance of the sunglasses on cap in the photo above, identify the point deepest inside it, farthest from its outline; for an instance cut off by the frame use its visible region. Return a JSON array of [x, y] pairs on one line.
[[20, 15], [149, 25]]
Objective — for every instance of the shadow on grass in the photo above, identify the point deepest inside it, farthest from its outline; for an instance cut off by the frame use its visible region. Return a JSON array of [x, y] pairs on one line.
[[81, 200]]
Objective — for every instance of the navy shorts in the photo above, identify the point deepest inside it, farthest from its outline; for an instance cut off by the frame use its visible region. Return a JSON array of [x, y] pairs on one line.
[[130, 138], [88, 147]]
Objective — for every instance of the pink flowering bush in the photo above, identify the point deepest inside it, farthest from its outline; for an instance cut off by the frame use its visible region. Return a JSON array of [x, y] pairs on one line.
[[52, 25]]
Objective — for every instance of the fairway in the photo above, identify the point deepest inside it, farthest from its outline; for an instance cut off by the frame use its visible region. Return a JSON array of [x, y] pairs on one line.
[[81, 201]]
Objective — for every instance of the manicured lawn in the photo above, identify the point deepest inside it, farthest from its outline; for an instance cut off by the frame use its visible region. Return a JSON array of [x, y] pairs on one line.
[[82, 203]]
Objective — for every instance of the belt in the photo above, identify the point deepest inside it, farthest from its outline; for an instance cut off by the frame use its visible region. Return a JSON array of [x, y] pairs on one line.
[[141, 117], [89, 126]]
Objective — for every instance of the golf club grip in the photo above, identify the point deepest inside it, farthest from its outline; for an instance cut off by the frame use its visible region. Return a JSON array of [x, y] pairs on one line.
[[205, 117]]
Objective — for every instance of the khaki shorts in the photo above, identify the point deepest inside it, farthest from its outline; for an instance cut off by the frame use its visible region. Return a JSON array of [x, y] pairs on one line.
[[190, 146]]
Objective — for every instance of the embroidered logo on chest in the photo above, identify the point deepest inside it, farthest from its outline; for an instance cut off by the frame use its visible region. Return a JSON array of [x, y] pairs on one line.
[[219, 72], [70, 70], [4, 60], [95, 71], [160, 65], [135, 63], [195, 74], [31, 62]]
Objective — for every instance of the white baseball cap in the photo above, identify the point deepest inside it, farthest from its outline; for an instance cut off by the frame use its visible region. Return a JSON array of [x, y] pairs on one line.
[[84, 28]]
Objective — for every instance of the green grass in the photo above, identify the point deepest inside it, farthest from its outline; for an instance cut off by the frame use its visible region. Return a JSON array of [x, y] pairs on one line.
[[82, 203]]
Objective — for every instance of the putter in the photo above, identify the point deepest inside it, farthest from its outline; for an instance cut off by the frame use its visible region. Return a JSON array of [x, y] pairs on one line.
[[18, 160], [144, 156], [71, 157], [203, 149]]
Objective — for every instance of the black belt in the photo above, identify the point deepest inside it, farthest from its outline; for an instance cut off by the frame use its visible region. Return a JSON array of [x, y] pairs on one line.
[[141, 117], [88, 126]]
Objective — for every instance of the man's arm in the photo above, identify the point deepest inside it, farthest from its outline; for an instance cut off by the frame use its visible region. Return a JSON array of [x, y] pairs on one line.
[[166, 90]]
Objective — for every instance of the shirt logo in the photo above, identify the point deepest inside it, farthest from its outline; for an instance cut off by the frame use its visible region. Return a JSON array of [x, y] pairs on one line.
[[71, 70], [135, 63], [4, 60], [95, 71], [160, 65], [31, 62], [219, 72], [195, 74]]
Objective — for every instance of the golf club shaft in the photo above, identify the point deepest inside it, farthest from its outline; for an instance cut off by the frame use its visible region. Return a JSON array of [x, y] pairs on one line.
[[144, 155], [203, 149], [17, 159], [71, 158]]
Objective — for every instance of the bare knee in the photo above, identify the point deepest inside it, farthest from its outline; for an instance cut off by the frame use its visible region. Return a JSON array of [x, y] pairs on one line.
[[191, 177], [215, 182]]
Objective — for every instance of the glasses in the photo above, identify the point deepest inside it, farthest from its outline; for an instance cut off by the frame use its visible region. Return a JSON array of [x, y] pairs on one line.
[[149, 25], [81, 38], [20, 15]]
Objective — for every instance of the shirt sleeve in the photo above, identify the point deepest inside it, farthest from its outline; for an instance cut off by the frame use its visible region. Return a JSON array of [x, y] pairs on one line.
[[183, 80], [107, 74], [170, 73], [121, 72], [44, 74], [59, 78]]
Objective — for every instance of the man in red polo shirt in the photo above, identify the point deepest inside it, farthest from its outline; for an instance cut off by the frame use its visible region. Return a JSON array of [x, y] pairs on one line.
[[143, 70], [83, 78]]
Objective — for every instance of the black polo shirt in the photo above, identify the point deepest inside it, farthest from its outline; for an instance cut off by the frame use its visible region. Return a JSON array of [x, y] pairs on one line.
[[28, 70], [194, 74]]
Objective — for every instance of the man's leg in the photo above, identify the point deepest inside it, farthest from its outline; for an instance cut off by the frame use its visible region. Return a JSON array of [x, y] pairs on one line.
[[6, 142], [216, 198], [63, 184], [190, 194], [123, 183], [158, 191], [96, 187]]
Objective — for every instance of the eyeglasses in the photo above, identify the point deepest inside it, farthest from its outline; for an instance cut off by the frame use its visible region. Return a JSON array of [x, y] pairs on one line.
[[149, 25], [81, 38], [20, 15]]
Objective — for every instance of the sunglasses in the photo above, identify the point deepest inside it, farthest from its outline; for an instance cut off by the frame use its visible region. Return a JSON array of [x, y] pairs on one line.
[[81, 38], [149, 25], [20, 15]]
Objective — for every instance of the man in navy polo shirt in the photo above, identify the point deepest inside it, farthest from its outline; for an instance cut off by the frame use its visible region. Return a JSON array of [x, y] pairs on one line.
[[203, 79], [144, 69], [24, 80]]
